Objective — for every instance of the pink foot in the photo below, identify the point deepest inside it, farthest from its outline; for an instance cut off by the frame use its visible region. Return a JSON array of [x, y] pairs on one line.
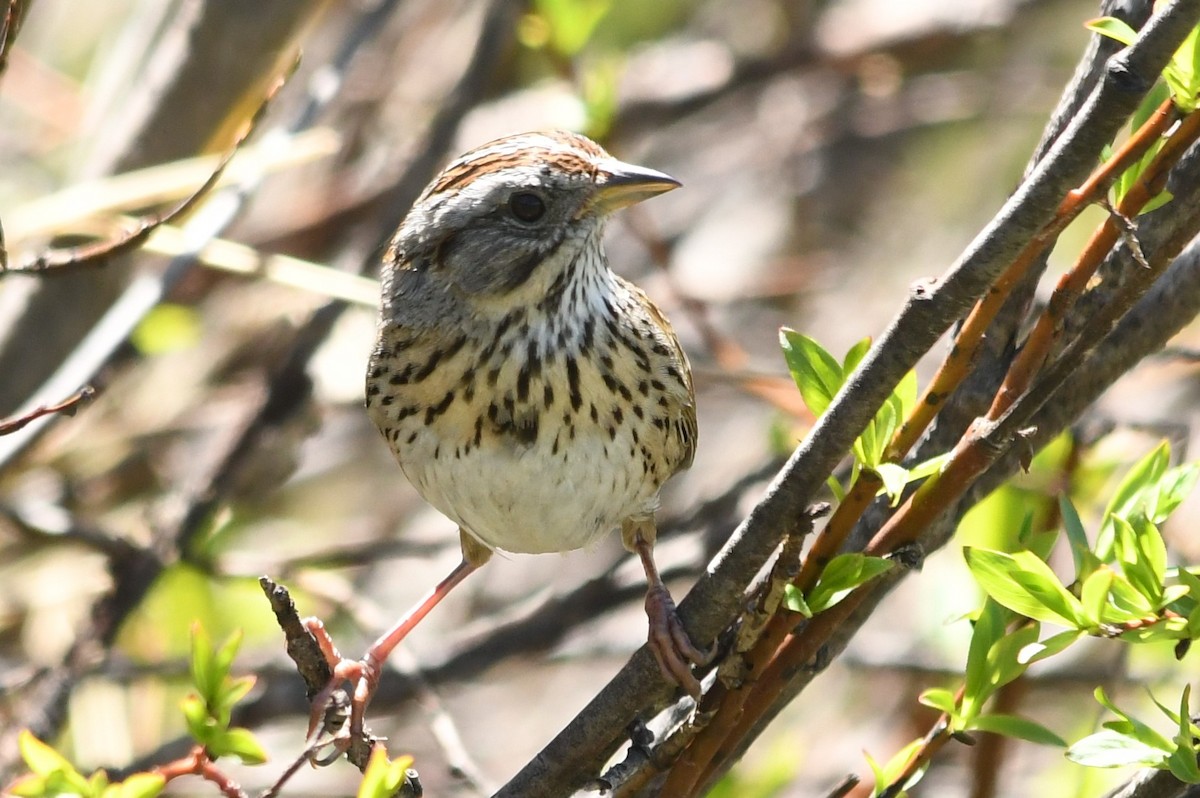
[[362, 674], [670, 644]]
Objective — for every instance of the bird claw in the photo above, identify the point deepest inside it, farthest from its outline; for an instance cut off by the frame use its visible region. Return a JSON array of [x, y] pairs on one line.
[[328, 714], [673, 650], [337, 747]]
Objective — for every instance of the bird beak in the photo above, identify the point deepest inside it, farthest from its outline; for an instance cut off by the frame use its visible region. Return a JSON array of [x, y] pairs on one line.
[[620, 184]]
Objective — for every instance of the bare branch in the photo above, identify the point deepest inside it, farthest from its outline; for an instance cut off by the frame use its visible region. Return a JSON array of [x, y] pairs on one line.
[[67, 407]]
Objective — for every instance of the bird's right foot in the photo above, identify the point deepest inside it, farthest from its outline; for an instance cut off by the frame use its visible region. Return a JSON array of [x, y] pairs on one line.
[[328, 715]]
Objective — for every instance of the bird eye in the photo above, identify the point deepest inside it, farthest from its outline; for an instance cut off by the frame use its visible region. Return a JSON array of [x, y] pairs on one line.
[[526, 206]]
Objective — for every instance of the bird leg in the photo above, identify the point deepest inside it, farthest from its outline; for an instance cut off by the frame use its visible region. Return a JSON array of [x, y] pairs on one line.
[[364, 674], [668, 640]]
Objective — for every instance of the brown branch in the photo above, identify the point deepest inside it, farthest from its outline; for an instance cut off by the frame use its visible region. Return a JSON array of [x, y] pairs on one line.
[[970, 336], [934, 740], [67, 407], [1151, 783], [198, 763], [10, 26], [1072, 284], [311, 663]]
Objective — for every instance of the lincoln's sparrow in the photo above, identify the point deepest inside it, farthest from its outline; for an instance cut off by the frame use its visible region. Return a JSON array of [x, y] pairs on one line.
[[529, 393]]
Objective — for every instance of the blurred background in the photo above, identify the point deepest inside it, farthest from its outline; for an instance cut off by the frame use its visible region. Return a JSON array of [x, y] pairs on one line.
[[832, 153]]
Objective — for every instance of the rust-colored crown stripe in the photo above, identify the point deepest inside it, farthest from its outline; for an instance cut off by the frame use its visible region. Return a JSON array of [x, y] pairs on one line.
[[578, 142], [488, 159]]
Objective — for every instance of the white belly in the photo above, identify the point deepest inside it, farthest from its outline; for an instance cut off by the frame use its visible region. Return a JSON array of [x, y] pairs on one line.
[[526, 499]]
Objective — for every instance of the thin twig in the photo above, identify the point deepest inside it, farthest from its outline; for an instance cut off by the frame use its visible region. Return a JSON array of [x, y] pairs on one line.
[[10, 26], [67, 407]]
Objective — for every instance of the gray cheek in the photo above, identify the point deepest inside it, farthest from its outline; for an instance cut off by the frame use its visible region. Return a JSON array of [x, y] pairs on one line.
[[482, 265]]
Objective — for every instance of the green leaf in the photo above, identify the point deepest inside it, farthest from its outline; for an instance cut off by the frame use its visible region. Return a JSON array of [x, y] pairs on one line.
[[886, 774], [238, 742], [1173, 593], [1143, 569], [1188, 580], [1192, 614], [223, 657], [375, 777], [835, 487], [1174, 487], [1168, 711], [139, 785], [928, 468], [1113, 28], [843, 574], [1182, 73], [1131, 726], [1025, 585], [1157, 201], [881, 429], [52, 773], [1152, 552], [940, 699], [817, 374], [1043, 649], [1129, 497], [866, 447], [1002, 665], [1038, 542], [571, 22], [1094, 595], [202, 663], [40, 758], [383, 778], [854, 356], [1182, 762], [1110, 749], [1145, 472], [1154, 98], [894, 478], [1081, 550], [1004, 657], [28, 786], [1133, 173], [235, 690], [987, 629], [98, 783], [906, 393], [1127, 603], [195, 712], [793, 599], [1013, 726]]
